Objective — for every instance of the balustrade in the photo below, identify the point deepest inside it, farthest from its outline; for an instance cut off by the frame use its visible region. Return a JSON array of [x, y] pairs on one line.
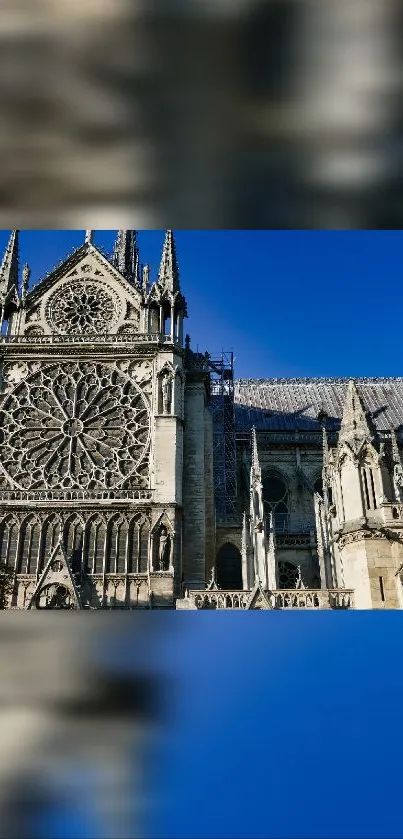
[[278, 599], [123, 338]]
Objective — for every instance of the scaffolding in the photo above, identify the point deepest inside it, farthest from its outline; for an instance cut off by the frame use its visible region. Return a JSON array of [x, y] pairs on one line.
[[224, 446]]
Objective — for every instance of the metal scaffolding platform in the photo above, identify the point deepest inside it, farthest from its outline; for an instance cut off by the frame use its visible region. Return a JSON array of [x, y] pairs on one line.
[[224, 447]]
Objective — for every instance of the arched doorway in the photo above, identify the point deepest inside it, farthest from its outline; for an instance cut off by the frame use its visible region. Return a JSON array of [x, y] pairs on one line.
[[55, 596], [229, 567]]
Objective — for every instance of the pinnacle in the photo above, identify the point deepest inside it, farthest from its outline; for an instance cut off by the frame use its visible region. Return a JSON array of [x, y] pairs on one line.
[[168, 276], [10, 264]]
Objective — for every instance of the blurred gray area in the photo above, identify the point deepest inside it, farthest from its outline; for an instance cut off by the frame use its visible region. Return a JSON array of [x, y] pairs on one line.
[[79, 712], [232, 113]]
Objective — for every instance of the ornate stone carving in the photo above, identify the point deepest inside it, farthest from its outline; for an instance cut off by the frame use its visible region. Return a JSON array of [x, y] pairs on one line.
[[166, 389], [164, 550], [14, 373], [83, 306], [55, 596], [56, 565], [76, 426]]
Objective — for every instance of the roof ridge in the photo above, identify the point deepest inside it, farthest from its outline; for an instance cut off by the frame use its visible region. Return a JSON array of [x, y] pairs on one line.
[[318, 379]]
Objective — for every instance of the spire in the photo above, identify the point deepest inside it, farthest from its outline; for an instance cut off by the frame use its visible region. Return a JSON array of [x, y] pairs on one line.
[[126, 255], [354, 429], [256, 472], [168, 276], [10, 264], [146, 278]]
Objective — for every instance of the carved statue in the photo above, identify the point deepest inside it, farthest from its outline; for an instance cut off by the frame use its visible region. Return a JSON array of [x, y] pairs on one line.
[[164, 548], [166, 387], [299, 581], [398, 481]]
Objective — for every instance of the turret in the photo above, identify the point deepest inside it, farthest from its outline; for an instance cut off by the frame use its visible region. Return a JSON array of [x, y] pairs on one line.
[[366, 553], [166, 307]]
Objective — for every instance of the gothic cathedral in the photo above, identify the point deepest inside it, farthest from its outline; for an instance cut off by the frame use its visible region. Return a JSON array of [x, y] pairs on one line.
[[137, 474]]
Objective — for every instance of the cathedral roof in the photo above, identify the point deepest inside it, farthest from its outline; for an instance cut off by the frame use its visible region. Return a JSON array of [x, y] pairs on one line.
[[294, 404]]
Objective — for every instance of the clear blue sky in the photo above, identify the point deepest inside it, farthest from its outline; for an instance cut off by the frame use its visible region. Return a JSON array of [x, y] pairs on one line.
[[289, 303]]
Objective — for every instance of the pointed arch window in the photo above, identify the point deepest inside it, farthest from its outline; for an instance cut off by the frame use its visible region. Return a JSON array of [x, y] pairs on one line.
[[287, 575], [229, 567], [95, 546], [28, 553], [133, 547], [8, 540], [74, 543], [144, 546], [275, 498], [50, 537], [116, 549], [368, 487]]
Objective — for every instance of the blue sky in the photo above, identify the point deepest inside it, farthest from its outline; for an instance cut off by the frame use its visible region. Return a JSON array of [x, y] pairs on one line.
[[284, 725], [288, 303]]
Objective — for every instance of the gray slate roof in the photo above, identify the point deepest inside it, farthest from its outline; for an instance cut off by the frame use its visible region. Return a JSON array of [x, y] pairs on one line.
[[293, 404]]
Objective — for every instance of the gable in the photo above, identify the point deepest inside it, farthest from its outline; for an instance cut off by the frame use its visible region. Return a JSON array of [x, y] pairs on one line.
[[258, 599], [86, 294], [56, 588]]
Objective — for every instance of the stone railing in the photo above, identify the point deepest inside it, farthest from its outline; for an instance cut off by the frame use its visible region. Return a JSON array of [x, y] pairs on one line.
[[75, 495], [336, 598], [101, 338]]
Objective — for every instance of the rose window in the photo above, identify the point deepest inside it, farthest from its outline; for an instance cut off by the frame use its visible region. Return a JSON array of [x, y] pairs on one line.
[[83, 425], [83, 307], [55, 596], [287, 575]]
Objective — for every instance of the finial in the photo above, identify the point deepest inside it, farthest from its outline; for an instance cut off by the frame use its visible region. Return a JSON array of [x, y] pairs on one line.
[[255, 455], [146, 278], [26, 273], [299, 581], [212, 584], [89, 234], [168, 276]]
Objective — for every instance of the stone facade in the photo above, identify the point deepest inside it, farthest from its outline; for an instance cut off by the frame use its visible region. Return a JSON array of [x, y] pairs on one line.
[[108, 489]]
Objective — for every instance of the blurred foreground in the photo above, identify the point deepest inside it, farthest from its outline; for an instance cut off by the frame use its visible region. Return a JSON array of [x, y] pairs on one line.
[[80, 698], [232, 113]]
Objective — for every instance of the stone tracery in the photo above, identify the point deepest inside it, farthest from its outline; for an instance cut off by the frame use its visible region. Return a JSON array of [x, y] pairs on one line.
[[83, 306], [80, 425]]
